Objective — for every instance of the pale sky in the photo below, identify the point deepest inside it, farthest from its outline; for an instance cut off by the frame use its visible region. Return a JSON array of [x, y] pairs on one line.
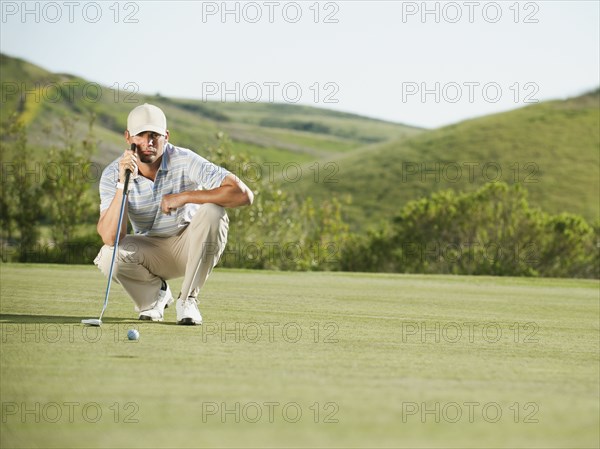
[[422, 63]]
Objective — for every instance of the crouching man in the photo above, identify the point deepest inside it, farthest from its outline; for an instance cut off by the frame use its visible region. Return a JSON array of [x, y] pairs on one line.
[[176, 205]]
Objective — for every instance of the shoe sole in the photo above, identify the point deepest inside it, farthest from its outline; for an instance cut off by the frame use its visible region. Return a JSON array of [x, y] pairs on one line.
[[147, 318], [188, 322]]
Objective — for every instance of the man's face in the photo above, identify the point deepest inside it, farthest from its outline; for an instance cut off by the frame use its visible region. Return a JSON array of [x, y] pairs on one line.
[[150, 146]]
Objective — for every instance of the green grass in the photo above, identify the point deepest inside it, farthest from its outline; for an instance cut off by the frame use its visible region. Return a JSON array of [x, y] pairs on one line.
[[296, 141], [367, 366], [340, 124]]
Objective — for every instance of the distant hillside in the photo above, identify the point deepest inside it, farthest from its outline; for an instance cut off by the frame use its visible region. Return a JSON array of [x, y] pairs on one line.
[[268, 132], [551, 148]]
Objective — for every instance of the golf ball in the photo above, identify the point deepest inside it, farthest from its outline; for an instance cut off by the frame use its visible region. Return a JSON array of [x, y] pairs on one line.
[[133, 334]]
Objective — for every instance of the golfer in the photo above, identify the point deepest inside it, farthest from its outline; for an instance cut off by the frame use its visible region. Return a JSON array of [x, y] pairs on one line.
[[176, 205]]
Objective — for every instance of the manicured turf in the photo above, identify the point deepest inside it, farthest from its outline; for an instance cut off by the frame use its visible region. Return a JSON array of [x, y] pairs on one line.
[[381, 361]]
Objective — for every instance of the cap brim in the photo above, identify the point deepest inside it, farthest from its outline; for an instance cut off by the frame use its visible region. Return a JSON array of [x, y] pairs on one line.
[[144, 128]]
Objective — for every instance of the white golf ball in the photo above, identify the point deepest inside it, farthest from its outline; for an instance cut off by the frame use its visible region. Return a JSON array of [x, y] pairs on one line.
[[133, 334]]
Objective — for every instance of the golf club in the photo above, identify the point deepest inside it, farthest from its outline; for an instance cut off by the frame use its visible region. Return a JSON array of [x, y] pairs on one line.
[[98, 322]]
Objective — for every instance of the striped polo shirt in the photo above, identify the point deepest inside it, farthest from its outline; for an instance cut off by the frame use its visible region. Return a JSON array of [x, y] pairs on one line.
[[181, 170]]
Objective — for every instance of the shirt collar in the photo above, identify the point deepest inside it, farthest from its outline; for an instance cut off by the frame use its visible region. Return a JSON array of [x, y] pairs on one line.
[[164, 166]]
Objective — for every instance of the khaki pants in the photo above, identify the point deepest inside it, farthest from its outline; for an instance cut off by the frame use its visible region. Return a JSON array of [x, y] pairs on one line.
[[143, 261]]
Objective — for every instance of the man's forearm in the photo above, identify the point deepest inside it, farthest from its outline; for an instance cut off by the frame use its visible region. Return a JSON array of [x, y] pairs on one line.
[[232, 193], [107, 224], [225, 196], [228, 195]]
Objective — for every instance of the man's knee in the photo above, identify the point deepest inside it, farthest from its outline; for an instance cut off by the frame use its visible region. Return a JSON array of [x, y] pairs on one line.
[[128, 253], [104, 258], [208, 230], [210, 214]]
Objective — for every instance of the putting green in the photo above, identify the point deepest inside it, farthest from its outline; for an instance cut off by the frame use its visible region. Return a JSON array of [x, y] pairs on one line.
[[302, 360]]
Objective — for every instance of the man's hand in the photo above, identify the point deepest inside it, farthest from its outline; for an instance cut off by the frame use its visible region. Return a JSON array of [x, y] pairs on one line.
[[232, 193], [171, 202], [128, 162]]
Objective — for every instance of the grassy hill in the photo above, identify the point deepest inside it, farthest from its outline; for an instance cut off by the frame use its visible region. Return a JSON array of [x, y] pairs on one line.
[[268, 132], [551, 148]]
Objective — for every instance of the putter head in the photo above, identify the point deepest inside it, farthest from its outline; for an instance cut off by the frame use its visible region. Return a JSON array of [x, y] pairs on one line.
[[92, 322]]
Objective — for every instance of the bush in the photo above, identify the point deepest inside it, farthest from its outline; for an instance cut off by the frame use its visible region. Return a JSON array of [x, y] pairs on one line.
[[492, 231], [279, 231]]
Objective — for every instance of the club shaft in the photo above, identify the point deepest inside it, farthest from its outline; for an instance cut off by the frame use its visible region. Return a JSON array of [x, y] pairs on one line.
[[117, 238]]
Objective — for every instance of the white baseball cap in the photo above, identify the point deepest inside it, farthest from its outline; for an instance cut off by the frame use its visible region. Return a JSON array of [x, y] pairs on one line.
[[147, 117]]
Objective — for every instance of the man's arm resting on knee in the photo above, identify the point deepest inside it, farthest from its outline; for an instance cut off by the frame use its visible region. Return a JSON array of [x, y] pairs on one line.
[[232, 193]]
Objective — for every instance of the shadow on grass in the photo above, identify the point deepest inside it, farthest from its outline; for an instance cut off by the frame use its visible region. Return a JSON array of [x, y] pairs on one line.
[[42, 319], [174, 323]]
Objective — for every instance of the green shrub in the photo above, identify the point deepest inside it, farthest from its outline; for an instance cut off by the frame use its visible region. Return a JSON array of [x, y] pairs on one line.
[[492, 231]]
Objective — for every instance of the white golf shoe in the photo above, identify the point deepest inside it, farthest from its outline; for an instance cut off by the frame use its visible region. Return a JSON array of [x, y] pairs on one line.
[[187, 312], [156, 313]]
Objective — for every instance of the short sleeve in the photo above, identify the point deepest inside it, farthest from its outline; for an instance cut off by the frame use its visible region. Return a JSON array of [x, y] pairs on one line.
[[206, 174], [108, 185]]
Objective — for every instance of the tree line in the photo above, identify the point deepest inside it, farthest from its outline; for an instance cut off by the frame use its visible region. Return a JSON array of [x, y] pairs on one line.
[[50, 217]]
